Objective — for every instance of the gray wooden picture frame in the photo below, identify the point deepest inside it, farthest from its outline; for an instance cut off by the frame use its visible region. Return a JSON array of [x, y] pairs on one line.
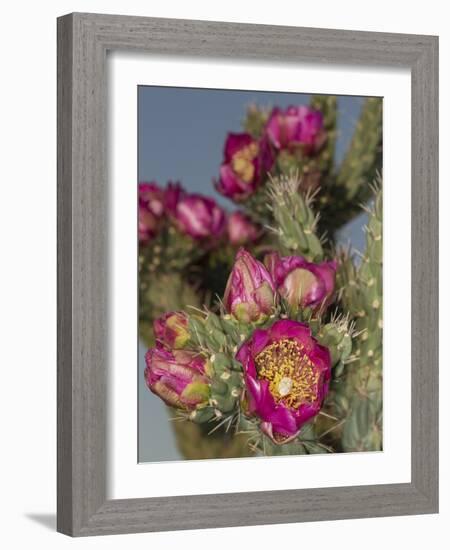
[[83, 41]]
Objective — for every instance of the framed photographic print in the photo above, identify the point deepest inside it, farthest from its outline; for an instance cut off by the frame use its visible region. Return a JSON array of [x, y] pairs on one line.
[[247, 274]]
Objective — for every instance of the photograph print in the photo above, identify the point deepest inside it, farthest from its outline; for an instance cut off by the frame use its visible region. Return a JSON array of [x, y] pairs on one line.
[[260, 274]]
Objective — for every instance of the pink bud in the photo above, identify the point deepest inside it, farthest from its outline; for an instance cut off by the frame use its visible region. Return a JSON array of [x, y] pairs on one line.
[[177, 377], [250, 292], [171, 330]]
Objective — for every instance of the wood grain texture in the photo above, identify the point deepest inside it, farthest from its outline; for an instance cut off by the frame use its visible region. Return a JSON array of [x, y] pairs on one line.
[[425, 273], [83, 41], [64, 327]]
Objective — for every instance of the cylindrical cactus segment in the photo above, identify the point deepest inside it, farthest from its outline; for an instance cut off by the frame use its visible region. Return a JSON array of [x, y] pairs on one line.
[[362, 296], [295, 222]]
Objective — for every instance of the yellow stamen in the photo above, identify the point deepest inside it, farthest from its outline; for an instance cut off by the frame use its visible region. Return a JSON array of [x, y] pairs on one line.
[[290, 373], [242, 162]]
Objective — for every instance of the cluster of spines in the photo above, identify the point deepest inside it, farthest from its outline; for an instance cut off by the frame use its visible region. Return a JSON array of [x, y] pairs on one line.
[[218, 339], [295, 222]]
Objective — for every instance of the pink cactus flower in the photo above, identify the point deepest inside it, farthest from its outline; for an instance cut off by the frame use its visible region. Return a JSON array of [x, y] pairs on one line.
[[295, 126], [241, 230], [151, 209], [173, 193], [246, 162], [301, 283], [287, 374], [200, 217]]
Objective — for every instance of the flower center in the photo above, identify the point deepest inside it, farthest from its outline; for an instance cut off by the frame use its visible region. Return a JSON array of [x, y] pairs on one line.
[[285, 386], [291, 374], [242, 162]]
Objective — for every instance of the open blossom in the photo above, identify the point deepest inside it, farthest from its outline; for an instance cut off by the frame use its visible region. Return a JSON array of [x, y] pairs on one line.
[[241, 230], [200, 217], [302, 283], [178, 377], [151, 209], [171, 330], [246, 161], [295, 126], [287, 374], [250, 292]]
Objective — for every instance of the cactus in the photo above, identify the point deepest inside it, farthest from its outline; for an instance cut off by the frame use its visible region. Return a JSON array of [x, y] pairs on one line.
[[351, 187], [255, 120], [294, 220], [358, 169], [327, 105], [299, 327], [218, 338], [341, 190], [362, 296]]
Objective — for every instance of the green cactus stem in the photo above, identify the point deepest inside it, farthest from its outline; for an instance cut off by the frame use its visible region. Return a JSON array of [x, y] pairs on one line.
[[327, 105], [255, 120], [360, 163], [294, 223], [341, 200], [362, 296], [218, 338]]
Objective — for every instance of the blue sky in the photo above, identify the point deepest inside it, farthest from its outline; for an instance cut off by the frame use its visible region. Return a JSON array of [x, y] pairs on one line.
[[182, 130]]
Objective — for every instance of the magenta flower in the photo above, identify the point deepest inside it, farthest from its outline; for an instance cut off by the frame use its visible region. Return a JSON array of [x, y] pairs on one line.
[[295, 126], [241, 230], [301, 283], [178, 377], [287, 374], [246, 160], [171, 330], [152, 196], [151, 209], [148, 225], [200, 217], [173, 193], [250, 292]]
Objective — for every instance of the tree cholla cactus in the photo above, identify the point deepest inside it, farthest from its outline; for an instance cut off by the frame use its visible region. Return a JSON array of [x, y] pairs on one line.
[[362, 297], [269, 340]]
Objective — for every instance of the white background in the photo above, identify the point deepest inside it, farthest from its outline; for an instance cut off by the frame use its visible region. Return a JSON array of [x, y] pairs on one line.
[[131, 480], [28, 261]]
